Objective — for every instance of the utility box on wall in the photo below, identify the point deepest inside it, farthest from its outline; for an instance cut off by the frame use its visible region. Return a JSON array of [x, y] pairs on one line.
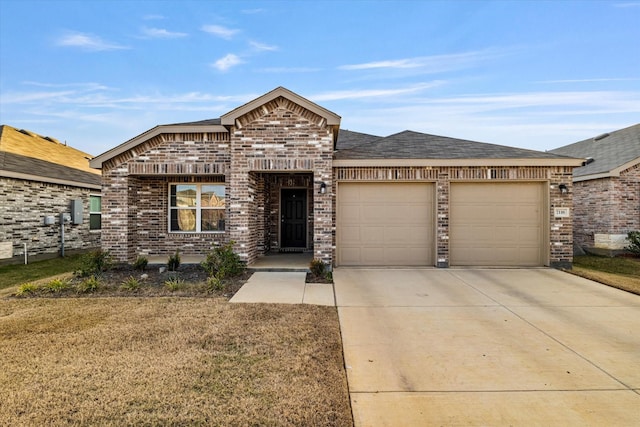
[[76, 211]]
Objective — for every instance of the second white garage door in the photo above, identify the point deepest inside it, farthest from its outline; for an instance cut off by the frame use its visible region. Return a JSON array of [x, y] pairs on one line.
[[497, 224], [385, 224]]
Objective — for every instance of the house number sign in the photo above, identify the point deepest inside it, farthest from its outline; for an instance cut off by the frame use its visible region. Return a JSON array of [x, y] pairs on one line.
[[561, 212]]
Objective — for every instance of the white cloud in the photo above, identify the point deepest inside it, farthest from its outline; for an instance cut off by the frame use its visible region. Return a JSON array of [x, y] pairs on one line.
[[226, 62], [161, 33], [87, 42], [220, 31], [428, 64], [252, 11], [262, 46], [152, 17], [373, 93], [590, 80]]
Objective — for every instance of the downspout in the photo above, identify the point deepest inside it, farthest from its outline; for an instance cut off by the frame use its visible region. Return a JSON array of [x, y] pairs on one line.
[[25, 254]]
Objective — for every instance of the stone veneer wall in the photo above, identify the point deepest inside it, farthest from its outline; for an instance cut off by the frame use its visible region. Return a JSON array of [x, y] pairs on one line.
[[560, 229], [281, 137], [607, 207], [23, 208]]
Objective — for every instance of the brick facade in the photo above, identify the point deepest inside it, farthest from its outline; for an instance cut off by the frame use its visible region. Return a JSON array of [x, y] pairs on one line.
[[270, 147], [606, 209], [23, 209]]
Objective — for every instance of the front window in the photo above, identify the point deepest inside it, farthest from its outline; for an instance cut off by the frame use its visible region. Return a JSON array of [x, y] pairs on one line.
[[95, 212], [196, 208]]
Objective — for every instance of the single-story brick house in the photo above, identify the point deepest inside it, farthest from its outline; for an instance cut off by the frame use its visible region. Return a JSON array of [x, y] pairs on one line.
[[606, 188], [41, 178], [278, 174]]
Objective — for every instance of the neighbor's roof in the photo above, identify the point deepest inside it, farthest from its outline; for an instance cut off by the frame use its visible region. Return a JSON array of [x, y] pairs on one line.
[[415, 145], [27, 155], [611, 152]]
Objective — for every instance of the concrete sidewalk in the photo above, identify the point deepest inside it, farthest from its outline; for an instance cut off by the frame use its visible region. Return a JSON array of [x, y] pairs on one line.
[[283, 288], [488, 347]]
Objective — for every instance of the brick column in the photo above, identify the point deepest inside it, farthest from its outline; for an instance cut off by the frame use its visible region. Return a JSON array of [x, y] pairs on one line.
[[442, 220]]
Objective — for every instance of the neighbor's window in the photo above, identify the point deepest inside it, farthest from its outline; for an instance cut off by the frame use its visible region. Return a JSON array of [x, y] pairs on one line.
[[95, 212], [196, 207]]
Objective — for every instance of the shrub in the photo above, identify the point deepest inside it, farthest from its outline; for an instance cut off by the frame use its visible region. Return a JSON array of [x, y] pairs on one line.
[[174, 284], [27, 289], [214, 283], [94, 263], [130, 284], [88, 285], [57, 285], [174, 261], [141, 263], [634, 242], [318, 267], [222, 262]]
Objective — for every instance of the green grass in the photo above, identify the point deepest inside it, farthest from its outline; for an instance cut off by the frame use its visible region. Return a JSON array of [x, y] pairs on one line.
[[624, 266], [11, 275]]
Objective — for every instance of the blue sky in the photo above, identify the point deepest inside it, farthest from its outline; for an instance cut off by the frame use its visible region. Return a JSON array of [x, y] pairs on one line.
[[532, 74]]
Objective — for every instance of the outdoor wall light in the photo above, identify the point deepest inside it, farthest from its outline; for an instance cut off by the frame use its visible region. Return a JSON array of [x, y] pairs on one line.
[[563, 189], [323, 188]]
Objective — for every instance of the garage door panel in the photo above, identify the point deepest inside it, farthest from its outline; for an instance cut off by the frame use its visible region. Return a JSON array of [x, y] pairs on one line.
[[496, 224], [394, 223]]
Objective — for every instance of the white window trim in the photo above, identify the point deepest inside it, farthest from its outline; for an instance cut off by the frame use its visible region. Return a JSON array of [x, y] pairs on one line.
[[198, 207], [95, 230]]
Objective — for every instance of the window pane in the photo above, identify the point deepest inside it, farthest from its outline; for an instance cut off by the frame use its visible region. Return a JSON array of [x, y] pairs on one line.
[[95, 222], [95, 204], [183, 196], [213, 196], [183, 220], [212, 220]]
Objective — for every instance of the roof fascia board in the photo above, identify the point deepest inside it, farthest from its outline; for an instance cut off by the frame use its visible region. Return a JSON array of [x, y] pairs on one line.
[[29, 177], [456, 162], [97, 161], [229, 119]]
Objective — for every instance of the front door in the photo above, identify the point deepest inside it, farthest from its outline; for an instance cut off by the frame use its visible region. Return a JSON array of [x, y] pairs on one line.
[[294, 218]]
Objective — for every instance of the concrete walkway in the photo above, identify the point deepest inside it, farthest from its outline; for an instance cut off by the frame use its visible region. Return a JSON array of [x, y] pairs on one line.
[[283, 288], [488, 347]]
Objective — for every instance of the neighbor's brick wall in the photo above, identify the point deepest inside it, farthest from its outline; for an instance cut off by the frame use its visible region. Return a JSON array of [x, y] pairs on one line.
[[23, 208], [278, 137], [135, 193], [607, 206], [560, 248]]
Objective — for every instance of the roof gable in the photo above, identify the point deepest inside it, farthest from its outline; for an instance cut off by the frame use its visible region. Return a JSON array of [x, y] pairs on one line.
[[231, 118], [611, 153]]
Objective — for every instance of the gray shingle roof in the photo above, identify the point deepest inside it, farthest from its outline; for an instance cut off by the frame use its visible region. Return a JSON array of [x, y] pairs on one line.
[[609, 152], [416, 145], [40, 168], [208, 122], [348, 139]]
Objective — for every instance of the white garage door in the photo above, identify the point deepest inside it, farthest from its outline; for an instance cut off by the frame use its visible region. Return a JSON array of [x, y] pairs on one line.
[[497, 224], [385, 224]]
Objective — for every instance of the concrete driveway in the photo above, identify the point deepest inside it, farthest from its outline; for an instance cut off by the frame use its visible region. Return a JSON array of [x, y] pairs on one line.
[[488, 347]]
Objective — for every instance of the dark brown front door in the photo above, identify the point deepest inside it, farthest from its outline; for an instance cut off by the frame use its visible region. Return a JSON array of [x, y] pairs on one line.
[[294, 218]]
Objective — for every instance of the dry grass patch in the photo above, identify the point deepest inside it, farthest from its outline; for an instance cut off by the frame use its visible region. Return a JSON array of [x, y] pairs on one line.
[[170, 361], [619, 272]]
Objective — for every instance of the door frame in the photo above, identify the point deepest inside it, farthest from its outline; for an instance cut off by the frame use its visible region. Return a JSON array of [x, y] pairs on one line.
[[306, 215]]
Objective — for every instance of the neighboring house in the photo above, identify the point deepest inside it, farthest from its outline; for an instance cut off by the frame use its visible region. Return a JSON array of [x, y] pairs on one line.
[[40, 178], [278, 174], [606, 189]]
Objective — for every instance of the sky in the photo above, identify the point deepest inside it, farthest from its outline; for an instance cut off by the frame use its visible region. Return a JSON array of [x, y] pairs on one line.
[[530, 74]]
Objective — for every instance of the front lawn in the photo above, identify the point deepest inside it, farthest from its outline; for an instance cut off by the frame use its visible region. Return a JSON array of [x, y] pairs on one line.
[[170, 361], [619, 272], [11, 275]]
